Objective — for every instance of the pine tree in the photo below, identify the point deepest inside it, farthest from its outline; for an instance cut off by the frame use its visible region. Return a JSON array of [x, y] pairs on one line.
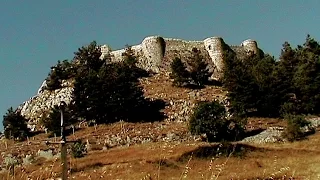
[[199, 71], [61, 71], [179, 73], [306, 78], [88, 57], [130, 61], [268, 100], [52, 121], [239, 81], [15, 125], [107, 92]]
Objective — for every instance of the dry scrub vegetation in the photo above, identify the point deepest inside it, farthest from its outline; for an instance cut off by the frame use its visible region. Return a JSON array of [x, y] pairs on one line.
[[187, 159]]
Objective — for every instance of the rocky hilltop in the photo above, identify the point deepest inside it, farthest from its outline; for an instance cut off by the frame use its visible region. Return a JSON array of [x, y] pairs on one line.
[[155, 54]]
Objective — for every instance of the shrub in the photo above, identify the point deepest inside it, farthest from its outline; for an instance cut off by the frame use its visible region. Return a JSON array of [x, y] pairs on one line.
[[294, 130], [15, 125], [289, 108], [209, 118], [179, 73], [52, 121], [199, 71], [78, 149], [10, 162]]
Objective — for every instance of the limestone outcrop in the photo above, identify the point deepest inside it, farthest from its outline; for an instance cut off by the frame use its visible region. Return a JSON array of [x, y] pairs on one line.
[[37, 106]]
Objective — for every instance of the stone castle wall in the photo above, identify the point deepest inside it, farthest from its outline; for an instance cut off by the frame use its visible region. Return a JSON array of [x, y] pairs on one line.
[[155, 53]]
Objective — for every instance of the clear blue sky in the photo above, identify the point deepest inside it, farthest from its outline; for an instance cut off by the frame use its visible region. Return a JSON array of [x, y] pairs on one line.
[[35, 34]]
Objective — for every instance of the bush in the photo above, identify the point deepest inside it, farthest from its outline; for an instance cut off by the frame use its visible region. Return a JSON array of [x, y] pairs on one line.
[[199, 71], [209, 118], [52, 121], [10, 162], [15, 125], [294, 131], [179, 73], [78, 149]]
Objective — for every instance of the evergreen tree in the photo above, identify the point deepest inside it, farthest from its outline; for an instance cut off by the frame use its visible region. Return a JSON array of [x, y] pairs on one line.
[[129, 57], [107, 92], [52, 121], [108, 95], [179, 73], [199, 71], [130, 61], [88, 58], [268, 100], [239, 81], [61, 71], [15, 125], [306, 78], [270, 88], [210, 118]]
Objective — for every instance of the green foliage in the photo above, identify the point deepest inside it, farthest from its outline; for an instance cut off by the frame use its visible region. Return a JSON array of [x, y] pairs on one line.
[[199, 71], [61, 71], [53, 81], [108, 92], [210, 118], [179, 73], [294, 131], [129, 57], [130, 61], [88, 58], [109, 95], [238, 79], [10, 161], [198, 74], [78, 149], [266, 87], [52, 120], [15, 125]]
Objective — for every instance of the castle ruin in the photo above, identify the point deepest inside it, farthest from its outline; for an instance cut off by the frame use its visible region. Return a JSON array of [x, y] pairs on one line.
[[155, 53]]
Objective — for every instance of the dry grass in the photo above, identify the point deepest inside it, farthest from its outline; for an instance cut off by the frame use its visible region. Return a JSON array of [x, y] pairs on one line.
[[170, 161]]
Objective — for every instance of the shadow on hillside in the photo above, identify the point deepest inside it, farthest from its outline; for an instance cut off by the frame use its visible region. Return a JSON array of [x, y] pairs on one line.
[[209, 83], [252, 132], [34, 133], [219, 150], [193, 86], [150, 112], [214, 83]]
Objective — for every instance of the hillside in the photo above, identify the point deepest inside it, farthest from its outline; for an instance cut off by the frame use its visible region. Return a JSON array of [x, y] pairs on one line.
[[166, 150]]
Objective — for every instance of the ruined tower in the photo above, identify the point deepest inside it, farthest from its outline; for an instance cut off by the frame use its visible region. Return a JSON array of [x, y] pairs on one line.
[[153, 49], [250, 46], [215, 48]]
